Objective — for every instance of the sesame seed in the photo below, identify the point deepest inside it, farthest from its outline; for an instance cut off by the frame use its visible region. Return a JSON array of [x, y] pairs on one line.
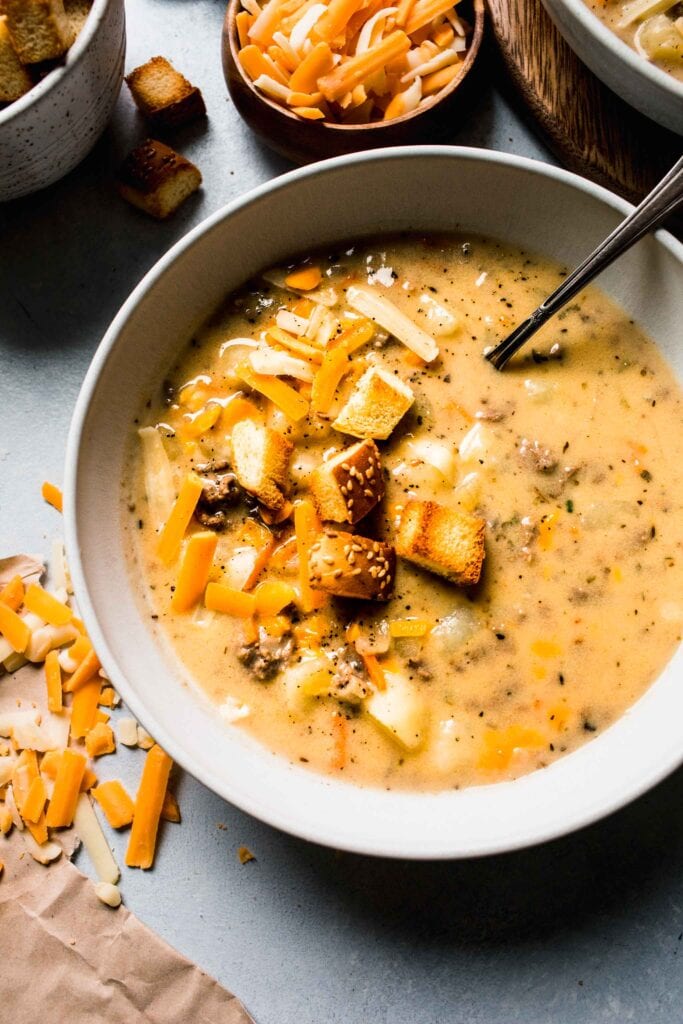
[[328, 559], [337, 573], [356, 572], [368, 493]]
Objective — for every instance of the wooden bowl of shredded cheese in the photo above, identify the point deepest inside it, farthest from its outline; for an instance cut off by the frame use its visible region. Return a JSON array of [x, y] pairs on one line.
[[319, 78]]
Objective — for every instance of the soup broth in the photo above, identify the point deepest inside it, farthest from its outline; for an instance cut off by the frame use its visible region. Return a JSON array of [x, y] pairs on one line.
[[569, 464]]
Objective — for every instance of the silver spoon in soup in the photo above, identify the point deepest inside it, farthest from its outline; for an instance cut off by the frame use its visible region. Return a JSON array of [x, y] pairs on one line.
[[664, 198]]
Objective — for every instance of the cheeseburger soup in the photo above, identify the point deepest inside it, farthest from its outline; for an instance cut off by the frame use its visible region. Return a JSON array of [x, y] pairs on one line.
[[387, 561], [653, 28]]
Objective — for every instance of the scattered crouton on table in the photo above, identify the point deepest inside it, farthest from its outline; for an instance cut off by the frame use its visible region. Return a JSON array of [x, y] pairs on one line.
[[156, 179], [163, 95]]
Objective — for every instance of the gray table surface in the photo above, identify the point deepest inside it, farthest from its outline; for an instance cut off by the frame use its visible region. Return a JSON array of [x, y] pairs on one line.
[[585, 929]]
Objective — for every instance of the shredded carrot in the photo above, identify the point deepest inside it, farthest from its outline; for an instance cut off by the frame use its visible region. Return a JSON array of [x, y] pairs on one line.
[[350, 73], [46, 606], [307, 278], [375, 671], [195, 567], [307, 528], [501, 744], [84, 708], [13, 593], [100, 740], [52, 495], [89, 666], [62, 806], [14, 629], [35, 801], [117, 805], [53, 682], [148, 804], [219, 598], [170, 811], [250, 631], [546, 649], [282, 395], [179, 518], [352, 632]]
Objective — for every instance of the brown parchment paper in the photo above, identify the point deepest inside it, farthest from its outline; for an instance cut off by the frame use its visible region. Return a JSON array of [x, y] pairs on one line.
[[64, 955]]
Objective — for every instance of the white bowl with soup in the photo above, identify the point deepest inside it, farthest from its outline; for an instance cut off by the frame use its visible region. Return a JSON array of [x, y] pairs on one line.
[[429, 715], [634, 46]]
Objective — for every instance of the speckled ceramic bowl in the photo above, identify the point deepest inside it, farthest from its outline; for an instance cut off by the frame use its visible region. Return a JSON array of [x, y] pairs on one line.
[[48, 131]]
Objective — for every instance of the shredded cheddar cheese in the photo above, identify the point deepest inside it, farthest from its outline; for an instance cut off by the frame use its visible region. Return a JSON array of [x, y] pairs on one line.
[[350, 61]]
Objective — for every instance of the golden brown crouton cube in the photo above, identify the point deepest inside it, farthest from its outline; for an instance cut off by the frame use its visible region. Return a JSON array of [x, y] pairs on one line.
[[14, 78], [260, 460], [376, 404], [156, 179], [40, 29], [163, 95], [349, 485], [77, 12], [346, 565], [443, 540]]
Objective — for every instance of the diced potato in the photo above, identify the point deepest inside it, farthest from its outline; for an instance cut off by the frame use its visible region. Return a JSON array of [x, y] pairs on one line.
[[440, 456], [451, 745], [400, 710], [310, 678]]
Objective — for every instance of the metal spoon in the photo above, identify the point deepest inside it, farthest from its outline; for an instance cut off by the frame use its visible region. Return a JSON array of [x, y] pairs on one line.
[[656, 207]]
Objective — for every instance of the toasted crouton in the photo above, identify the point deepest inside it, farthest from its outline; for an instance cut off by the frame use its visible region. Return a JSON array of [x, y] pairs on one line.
[[163, 95], [77, 12], [346, 565], [156, 179], [14, 78], [260, 460], [443, 540], [40, 29], [349, 485], [376, 404]]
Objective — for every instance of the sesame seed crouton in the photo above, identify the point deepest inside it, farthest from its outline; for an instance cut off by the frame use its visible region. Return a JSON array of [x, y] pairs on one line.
[[163, 95], [14, 78], [260, 460], [346, 565], [376, 404], [443, 540], [156, 179], [39, 29], [349, 485]]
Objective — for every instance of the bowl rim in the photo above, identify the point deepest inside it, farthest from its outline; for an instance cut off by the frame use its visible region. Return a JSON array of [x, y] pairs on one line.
[[620, 49], [591, 809], [54, 77], [479, 8]]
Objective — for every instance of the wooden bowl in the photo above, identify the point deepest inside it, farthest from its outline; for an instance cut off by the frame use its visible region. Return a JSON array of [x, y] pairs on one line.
[[304, 141]]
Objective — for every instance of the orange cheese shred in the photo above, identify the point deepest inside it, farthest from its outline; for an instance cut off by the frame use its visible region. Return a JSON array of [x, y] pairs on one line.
[[179, 518], [292, 404], [53, 682], [307, 529], [350, 73], [220, 598], [52, 495], [195, 566], [62, 806], [89, 666], [148, 804], [307, 278], [100, 740], [46, 606], [170, 811], [116, 803], [14, 629], [13, 593], [84, 708]]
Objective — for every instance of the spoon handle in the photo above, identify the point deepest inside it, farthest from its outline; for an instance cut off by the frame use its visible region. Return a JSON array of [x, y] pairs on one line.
[[655, 207]]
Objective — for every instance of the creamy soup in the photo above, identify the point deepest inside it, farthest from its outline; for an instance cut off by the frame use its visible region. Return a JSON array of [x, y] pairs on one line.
[[654, 28], [316, 484]]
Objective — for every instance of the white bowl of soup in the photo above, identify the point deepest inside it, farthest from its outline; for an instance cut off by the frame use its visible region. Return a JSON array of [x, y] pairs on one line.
[[634, 46], [350, 577]]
